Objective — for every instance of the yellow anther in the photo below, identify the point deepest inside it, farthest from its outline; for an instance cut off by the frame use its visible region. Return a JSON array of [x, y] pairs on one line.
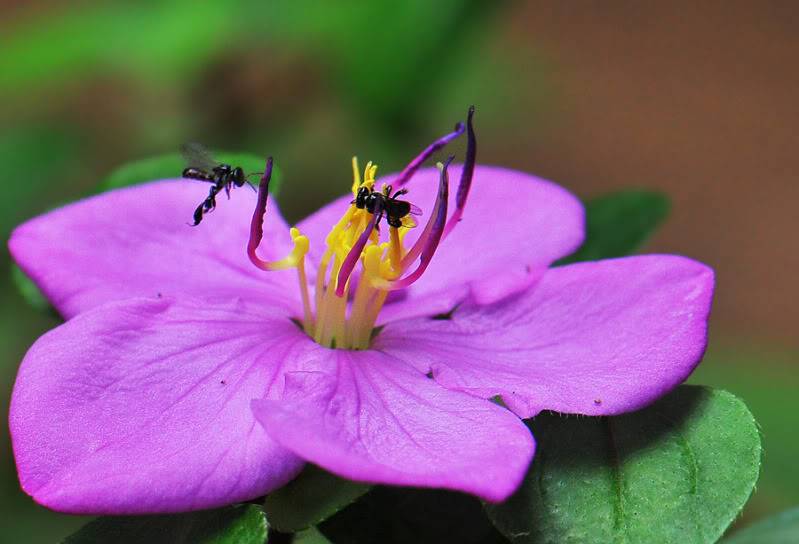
[[334, 236], [356, 176], [298, 238], [345, 317], [369, 175], [301, 246]]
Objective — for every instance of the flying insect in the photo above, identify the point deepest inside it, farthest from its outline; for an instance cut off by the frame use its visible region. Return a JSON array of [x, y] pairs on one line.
[[397, 211], [202, 166]]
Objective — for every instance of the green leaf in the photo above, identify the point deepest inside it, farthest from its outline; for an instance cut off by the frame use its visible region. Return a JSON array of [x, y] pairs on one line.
[[309, 499], [29, 291], [310, 536], [765, 375], [618, 224], [99, 37], [41, 155], [243, 524], [393, 71], [678, 471], [780, 529], [170, 165]]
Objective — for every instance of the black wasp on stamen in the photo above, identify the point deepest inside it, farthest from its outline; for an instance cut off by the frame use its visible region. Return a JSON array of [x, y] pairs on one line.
[[202, 166], [395, 210]]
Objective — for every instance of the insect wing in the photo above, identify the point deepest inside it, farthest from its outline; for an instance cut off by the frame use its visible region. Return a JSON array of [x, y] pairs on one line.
[[415, 210], [197, 156], [408, 221]]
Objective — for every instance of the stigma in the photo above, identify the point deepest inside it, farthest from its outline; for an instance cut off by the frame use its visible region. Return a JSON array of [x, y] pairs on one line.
[[365, 256]]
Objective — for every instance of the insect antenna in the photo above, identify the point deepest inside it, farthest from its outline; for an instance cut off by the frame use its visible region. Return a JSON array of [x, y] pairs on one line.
[[250, 183]]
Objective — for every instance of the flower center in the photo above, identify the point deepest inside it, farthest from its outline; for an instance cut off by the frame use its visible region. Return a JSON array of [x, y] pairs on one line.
[[346, 301]]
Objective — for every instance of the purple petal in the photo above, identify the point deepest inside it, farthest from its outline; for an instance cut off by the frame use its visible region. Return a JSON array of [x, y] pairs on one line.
[[515, 225], [370, 417], [143, 406], [136, 242], [596, 338]]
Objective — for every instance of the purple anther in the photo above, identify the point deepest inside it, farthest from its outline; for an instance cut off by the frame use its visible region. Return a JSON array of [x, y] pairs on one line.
[[414, 165], [434, 230], [466, 175], [257, 223], [355, 253]]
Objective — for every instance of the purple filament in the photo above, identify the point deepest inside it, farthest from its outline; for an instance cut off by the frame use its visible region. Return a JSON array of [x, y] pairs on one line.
[[466, 175], [355, 253], [257, 223], [431, 237], [414, 165]]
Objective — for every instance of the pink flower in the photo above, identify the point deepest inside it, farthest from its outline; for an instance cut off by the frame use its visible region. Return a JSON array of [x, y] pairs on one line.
[[186, 378]]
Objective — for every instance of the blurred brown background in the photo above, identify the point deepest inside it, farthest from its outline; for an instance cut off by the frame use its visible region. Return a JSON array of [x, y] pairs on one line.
[[697, 100]]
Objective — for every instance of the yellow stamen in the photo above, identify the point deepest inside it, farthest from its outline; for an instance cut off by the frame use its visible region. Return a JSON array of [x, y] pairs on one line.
[[330, 325], [356, 176], [395, 251], [307, 321], [371, 263], [301, 246]]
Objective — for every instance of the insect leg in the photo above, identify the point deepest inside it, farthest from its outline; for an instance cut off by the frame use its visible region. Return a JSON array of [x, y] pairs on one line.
[[210, 202], [205, 206], [198, 214]]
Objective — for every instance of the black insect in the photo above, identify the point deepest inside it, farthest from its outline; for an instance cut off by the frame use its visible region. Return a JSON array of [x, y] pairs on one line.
[[202, 166], [396, 211]]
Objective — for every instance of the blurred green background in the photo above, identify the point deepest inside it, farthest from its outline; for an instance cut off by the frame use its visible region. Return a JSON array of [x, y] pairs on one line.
[[695, 101]]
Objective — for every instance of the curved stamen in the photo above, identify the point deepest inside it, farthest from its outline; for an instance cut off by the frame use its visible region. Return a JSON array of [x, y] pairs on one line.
[[348, 322], [421, 242], [430, 238], [257, 223], [466, 175], [355, 253], [301, 243], [414, 165]]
